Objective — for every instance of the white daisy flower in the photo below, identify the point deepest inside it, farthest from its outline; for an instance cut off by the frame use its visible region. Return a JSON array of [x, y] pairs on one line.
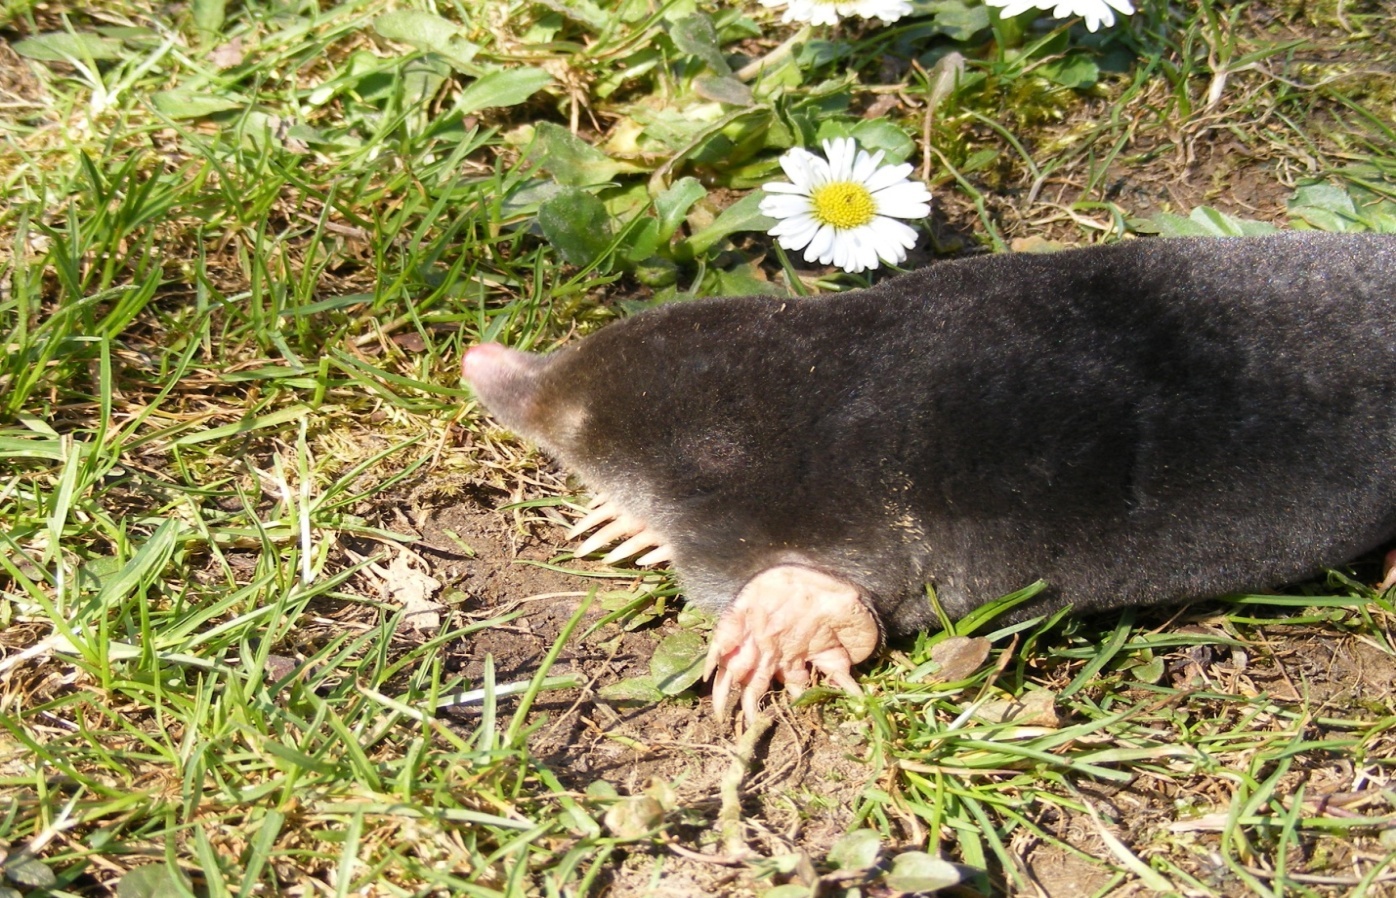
[[828, 12], [842, 210], [1095, 12]]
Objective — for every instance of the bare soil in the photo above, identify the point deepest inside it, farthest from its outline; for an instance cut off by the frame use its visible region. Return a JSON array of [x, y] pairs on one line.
[[800, 792]]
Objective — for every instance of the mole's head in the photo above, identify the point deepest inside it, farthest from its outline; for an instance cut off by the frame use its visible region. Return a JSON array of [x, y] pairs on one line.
[[523, 391]]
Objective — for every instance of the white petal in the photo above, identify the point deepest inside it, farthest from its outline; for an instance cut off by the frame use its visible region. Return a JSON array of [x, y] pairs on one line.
[[893, 233], [781, 206], [796, 231], [886, 177], [1011, 8], [799, 165], [906, 203], [865, 167], [821, 245], [864, 249], [840, 152]]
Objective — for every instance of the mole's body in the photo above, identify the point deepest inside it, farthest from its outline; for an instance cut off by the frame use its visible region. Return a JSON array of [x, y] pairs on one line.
[[1148, 422]]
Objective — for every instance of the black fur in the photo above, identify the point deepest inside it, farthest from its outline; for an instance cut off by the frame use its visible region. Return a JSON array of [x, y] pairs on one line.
[[1148, 422]]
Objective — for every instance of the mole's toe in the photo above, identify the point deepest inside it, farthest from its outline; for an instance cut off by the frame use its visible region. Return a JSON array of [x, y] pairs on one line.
[[636, 536], [1389, 565], [786, 622]]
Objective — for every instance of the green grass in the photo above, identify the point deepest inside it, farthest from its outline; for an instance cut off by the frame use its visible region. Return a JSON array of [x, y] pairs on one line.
[[244, 249]]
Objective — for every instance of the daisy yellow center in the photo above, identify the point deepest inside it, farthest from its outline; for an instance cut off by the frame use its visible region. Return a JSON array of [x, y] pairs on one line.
[[843, 204]]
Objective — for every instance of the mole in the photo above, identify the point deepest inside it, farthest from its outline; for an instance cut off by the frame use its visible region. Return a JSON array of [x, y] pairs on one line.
[[1147, 422]]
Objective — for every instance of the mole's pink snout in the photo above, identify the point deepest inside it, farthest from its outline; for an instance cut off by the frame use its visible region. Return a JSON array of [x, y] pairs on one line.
[[505, 380]]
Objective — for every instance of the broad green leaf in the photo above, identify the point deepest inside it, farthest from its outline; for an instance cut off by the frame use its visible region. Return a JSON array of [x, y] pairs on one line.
[[743, 215], [584, 12], [179, 103], [635, 689], [673, 204], [420, 80], [571, 160], [26, 870], [1230, 226], [152, 881], [744, 280], [1324, 196], [1207, 222], [881, 134], [1326, 207], [209, 15], [425, 30], [1151, 671], [657, 272], [857, 850], [792, 890], [641, 239], [678, 662], [696, 36], [505, 88], [577, 224], [1075, 70], [956, 19], [723, 89], [917, 871], [61, 46], [429, 32]]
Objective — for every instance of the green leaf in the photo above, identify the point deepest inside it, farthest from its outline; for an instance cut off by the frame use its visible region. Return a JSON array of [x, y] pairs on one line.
[[1207, 222], [640, 240], [28, 447], [678, 662], [209, 16], [743, 280], [882, 135], [571, 160], [26, 870], [723, 89], [246, 425], [1324, 196], [956, 19], [152, 881], [743, 215], [581, 11], [673, 204], [696, 36], [180, 103], [635, 689], [1150, 672], [577, 224], [857, 850], [1326, 207], [917, 871], [61, 46], [428, 32], [1075, 70], [505, 88], [792, 890]]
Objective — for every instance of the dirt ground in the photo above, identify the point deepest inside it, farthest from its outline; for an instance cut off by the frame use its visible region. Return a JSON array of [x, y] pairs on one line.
[[809, 769]]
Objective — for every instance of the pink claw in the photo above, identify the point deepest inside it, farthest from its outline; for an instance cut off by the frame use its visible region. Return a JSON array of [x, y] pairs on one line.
[[787, 621]]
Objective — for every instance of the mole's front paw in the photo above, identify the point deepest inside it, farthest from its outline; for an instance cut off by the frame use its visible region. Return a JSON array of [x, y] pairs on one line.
[[785, 621]]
